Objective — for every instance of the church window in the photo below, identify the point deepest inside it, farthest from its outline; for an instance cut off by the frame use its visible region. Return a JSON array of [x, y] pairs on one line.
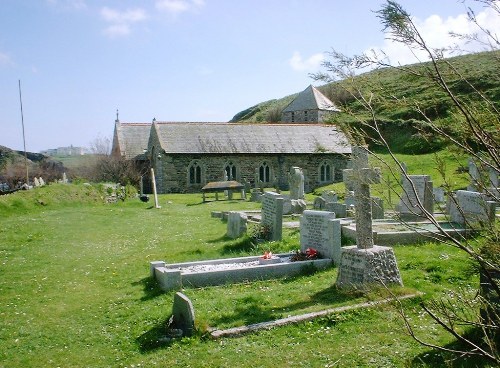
[[325, 172], [230, 171], [264, 173], [194, 173]]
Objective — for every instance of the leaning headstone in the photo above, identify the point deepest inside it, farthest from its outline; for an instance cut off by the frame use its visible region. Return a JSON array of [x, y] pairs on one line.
[[36, 181], [417, 196], [236, 224], [272, 214], [471, 209], [183, 314], [42, 182], [319, 203], [365, 263], [321, 231], [298, 206], [296, 183]]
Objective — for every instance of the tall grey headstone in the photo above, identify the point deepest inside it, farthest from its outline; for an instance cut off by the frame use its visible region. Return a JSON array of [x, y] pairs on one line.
[[272, 214], [475, 176], [236, 224], [365, 263], [296, 183], [321, 231], [377, 208], [417, 196]]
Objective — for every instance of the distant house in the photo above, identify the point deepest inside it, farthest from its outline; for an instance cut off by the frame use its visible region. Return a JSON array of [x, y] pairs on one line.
[[186, 156], [64, 151], [310, 106]]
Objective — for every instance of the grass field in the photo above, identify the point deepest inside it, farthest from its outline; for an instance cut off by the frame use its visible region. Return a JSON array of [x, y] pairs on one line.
[[75, 291]]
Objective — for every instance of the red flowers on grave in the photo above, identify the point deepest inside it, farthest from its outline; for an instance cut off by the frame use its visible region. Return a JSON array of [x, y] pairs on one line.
[[311, 253], [267, 255]]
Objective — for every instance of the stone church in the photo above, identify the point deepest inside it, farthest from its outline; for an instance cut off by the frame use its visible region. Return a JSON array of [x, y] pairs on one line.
[[186, 156]]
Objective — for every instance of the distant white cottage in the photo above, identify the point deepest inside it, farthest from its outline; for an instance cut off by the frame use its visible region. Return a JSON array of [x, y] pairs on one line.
[[310, 106]]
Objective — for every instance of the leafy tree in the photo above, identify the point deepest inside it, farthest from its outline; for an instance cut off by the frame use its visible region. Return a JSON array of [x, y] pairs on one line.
[[474, 131]]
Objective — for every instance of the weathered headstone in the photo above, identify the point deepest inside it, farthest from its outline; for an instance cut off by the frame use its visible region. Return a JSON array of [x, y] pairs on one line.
[[417, 196], [272, 214], [340, 209], [438, 195], [365, 263], [475, 176], [36, 181], [42, 182], [471, 208], [329, 196], [64, 178], [296, 183], [236, 224], [183, 314], [321, 231], [319, 203]]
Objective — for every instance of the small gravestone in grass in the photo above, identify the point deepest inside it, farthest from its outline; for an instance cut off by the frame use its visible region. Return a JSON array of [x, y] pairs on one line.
[[365, 263], [471, 209], [236, 224], [417, 198], [182, 315]]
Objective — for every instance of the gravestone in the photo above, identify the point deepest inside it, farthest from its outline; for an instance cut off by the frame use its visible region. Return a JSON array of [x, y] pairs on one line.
[[494, 186], [183, 314], [329, 196], [471, 208], [340, 209], [236, 224], [417, 196], [64, 178], [272, 214], [438, 194], [36, 181], [319, 203], [296, 183], [42, 182], [321, 231], [475, 176], [377, 208], [365, 263]]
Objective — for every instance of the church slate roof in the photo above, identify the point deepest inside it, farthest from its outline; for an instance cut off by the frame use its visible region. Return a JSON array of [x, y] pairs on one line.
[[230, 138], [310, 99], [131, 139]]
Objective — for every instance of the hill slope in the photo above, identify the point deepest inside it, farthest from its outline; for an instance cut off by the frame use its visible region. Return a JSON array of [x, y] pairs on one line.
[[395, 94]]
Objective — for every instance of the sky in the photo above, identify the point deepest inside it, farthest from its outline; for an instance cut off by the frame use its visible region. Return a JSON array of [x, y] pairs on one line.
[[78, 61]]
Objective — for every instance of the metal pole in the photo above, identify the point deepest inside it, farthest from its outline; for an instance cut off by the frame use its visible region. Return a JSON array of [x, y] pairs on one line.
[[24, 138]]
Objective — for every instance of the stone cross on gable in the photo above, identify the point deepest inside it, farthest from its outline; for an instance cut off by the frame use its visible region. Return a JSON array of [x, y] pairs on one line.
[[362, 176]]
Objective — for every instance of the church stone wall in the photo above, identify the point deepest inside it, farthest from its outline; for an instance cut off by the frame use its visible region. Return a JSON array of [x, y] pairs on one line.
[[175, 178]]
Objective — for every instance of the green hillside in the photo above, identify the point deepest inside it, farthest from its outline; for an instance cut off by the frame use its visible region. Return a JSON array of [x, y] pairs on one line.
[[396, 93]]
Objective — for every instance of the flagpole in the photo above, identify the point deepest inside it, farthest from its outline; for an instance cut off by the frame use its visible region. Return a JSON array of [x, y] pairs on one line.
[[24, 138]]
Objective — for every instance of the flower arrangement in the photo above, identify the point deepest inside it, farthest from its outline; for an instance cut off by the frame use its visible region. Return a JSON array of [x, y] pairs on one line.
[[309, 254]]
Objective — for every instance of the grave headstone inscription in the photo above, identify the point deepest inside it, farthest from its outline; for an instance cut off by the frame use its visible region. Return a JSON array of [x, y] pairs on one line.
[[417, 196], [236, 224], [365, 263], [321, 231], [272, 214]]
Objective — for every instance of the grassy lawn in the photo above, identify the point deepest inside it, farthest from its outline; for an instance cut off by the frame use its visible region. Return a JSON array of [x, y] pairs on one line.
[[75, 291]]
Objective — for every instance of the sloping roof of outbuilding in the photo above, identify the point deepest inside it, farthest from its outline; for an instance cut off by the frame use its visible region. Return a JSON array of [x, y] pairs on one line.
[[132, 139], [230, 138], [311, 99]]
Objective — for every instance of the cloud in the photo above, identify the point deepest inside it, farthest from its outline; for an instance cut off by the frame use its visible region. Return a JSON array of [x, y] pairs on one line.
[[5, 59], [175, 7], [313, 63], [437, 32], [121, 21]]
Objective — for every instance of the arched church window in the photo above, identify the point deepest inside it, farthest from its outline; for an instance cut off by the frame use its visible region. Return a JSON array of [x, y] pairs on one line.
[[264, 173], [230, 171], [194, 173], [325, 172]]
